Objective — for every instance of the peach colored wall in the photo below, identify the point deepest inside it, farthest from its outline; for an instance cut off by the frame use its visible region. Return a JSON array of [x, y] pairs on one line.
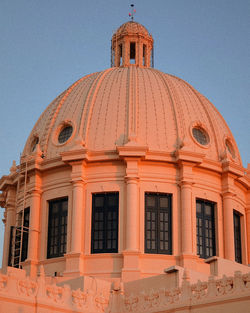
[[153, 176]]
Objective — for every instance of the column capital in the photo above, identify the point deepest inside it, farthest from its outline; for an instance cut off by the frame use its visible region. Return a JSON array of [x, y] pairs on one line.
[[131, 179], [228, 194], [36, 191], [186, 183], [78, 181]]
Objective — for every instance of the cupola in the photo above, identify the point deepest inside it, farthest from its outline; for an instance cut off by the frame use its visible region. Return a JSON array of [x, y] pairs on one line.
[[132, 45]]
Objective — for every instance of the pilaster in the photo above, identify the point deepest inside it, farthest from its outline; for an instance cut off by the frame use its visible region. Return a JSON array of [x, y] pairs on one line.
[[74, 257], [34, 230], [131, 153]]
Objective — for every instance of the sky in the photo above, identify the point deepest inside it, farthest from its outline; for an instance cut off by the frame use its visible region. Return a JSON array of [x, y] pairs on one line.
[[47, 45]]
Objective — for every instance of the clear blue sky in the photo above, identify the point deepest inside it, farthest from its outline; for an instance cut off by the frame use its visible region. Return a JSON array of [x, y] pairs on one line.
[[47, 45]]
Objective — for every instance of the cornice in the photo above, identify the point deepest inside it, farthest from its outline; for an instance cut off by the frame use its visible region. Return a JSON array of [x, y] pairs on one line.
[[132, 150], [189, 156]]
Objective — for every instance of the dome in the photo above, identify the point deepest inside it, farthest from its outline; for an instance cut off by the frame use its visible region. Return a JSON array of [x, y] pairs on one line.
[[161, 111], [131, 28]]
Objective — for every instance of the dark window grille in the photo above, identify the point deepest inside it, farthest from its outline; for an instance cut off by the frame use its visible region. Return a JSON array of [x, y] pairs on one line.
[[200, 135], [158, 223], [65, 134], [205, 229], [237, 237], [57, 228], [105, 210]]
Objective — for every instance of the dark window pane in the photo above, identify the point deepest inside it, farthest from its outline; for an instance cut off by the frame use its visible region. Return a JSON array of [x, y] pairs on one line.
[[164, 202], [57, 228], [205, 228], [105, 218], [237, 237], [150, 200], [158, 223]]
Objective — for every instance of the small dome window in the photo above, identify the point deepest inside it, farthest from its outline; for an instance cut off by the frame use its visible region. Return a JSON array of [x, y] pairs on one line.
[[65, 134], [230, 148], [34, 144], [200, 135]]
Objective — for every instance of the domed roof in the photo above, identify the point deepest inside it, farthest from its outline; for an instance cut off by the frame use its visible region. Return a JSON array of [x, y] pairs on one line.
[[131, 28], [102, 110]]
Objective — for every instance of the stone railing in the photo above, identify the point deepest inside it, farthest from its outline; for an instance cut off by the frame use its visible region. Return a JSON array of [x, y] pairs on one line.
[[16, 294], [213, 291]]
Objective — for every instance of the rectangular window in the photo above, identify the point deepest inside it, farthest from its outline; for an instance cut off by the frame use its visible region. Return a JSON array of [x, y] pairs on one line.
[[57, 228], [19, 237], [144, 55], [105, 210], [237, 237], [132, 52], [120, 55], [158, 223], [205, 229]]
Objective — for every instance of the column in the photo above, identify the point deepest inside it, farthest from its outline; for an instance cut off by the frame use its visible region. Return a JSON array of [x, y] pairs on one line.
[[228, 226], [132, 226], [34, 223], [186, 217], [77, 216]]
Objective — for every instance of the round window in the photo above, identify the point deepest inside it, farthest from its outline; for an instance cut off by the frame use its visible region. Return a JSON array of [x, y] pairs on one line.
[[200, 135], [230, 148], [34, 144], [65, 134]]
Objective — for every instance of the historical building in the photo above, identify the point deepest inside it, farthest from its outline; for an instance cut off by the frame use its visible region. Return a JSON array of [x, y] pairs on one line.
[[130, 196]]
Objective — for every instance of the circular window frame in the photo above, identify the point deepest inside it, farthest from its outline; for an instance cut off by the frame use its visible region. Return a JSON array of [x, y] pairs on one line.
[[203, 128], [58, 130], [230, 142]]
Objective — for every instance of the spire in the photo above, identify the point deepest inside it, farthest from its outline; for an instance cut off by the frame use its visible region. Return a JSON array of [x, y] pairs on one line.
[[133, 11], [132, 45]]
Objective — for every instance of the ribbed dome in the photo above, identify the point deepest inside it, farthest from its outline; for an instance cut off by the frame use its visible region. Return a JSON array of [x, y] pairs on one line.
[[132, 27], [159, 110]]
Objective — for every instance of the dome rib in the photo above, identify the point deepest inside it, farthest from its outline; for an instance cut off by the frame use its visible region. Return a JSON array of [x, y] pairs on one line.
[[156, 74], [171, 100], [155, 109], [84, 127]]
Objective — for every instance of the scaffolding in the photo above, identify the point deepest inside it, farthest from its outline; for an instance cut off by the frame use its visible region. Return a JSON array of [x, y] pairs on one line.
[[20, 232]]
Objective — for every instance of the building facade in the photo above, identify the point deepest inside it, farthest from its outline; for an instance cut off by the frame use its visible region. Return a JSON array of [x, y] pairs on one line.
[[130, 182]]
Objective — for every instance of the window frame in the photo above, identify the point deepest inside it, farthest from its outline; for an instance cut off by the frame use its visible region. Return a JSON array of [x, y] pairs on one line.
[[158, 210], [205, 217], [61, 214], [237, 237], [105, 209]]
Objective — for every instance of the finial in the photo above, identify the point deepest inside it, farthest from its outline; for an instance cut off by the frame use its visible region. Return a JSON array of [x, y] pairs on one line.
[[133, 11]]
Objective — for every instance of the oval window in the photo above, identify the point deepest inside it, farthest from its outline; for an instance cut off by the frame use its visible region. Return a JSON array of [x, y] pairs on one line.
[[200, 135], [34, 144], [230, 148], [65, 134]]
